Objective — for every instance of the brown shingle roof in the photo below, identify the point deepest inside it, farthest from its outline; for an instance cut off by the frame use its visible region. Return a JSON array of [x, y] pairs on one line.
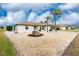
[[33, 24]]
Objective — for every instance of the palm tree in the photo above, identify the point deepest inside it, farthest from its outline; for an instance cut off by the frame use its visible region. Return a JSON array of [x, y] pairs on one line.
[[47, 18], [55, 13]]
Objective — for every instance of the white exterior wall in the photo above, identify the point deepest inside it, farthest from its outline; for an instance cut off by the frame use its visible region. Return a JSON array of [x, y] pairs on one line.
[[20, 28], [48, 28], [30, 28], [63, 28], [69, 28]]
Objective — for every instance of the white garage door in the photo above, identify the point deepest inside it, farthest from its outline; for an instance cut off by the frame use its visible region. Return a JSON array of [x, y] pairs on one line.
[[20, 28]]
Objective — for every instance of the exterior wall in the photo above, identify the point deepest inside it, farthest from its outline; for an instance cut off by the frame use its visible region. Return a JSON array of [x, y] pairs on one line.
[[45, 28], [20, 28], [69, 28], [48, 28], [63, 28], [30, 28]]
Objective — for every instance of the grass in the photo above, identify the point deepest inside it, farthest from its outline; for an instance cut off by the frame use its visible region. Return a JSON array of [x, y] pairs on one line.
[[6, 47], [73, 30], [73, 48], [2, 29]]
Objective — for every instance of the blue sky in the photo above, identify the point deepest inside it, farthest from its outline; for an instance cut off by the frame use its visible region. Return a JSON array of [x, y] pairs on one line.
[[12, 13]]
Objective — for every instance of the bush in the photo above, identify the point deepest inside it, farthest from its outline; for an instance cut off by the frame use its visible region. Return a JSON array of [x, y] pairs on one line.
[[2, 27], [57, 28], [9, 28], [39, 29], [50, 30], [26, 27]]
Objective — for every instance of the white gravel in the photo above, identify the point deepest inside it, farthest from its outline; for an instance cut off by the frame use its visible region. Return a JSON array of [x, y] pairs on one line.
[[51, 43]]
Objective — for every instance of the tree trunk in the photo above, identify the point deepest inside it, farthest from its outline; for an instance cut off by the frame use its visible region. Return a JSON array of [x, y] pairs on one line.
[[55, 24], [47, 25]]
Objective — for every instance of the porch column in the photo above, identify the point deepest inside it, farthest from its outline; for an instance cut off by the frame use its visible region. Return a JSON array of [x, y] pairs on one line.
[[15, 28]]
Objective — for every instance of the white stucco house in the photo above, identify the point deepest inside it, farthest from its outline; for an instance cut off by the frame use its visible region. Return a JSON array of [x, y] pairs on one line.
[[30, 26]]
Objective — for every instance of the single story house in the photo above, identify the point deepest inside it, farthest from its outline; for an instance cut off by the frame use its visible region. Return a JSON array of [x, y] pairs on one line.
[[64, 27], [30, 26]]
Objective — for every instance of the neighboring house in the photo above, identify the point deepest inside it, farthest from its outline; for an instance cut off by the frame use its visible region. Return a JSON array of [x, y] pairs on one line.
[[64, 27]]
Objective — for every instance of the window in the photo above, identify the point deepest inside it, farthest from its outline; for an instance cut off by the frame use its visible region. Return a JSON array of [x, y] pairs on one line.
[[26, 28]]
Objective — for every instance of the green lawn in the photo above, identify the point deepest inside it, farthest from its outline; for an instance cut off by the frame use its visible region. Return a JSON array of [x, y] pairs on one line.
[[74, 30], [73, 48], [6, 47]]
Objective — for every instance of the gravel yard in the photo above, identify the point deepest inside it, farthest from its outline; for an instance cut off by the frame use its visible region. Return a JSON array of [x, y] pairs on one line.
[[50, 44]]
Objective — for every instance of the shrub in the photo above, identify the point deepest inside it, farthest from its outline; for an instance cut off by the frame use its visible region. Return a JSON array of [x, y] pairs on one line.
[[9, 28], [26, 27], [50, 30], [2, 27], [57, 28], [72, 28], [39, 29]]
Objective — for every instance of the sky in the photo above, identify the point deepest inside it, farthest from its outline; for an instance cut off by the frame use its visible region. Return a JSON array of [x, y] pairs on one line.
[[12, 13]]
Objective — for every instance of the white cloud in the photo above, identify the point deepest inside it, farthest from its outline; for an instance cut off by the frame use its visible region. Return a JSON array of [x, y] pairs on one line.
[[12, 5], [26, 6], [71, 18], [42, 17], [37, 18], [68, 6], [13, 18], [1, 21], [19, 16], [22, 9], [9, 17], [32, 16], [17, 12]]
